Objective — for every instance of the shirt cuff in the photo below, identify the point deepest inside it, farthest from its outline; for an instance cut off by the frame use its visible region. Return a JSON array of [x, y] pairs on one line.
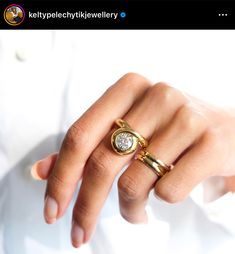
[[219, 207]]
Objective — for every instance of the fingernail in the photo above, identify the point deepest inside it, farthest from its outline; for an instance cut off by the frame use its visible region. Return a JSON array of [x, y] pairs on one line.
[[50, 210], [77, 235], [34, 172]]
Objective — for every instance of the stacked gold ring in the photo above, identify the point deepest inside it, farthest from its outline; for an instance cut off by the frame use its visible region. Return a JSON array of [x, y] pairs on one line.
[[159, 167], [125, 140]]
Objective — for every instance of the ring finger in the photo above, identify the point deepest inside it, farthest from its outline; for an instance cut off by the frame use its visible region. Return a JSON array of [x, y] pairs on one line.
[[103, 165], [167, 144]]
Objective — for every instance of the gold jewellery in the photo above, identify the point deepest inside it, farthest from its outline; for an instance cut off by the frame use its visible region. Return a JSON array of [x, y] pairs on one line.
[[159, 167], [125, 140]]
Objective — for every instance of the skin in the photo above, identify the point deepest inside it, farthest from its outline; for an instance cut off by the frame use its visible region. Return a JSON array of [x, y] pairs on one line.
[[14, 10], [196, 137]]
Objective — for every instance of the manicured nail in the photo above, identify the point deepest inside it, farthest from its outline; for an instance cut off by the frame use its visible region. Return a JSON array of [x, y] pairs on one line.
[[77, 235], [50, 210], [34, 171]]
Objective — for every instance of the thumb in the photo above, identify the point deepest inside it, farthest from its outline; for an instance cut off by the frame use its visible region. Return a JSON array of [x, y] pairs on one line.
[[42, 168]]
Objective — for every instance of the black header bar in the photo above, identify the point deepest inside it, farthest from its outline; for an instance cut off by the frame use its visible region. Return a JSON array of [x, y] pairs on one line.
[[118, 15]]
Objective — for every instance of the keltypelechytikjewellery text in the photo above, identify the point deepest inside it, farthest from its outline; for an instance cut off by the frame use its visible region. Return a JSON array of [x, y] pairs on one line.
[[74, 15]]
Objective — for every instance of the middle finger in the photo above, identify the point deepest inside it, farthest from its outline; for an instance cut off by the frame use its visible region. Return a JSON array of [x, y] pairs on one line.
[[103, 165], [168, 145]]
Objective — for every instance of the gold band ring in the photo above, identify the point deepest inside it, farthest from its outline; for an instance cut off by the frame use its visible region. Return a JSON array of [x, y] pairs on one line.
[[159, 167], [125, 140]]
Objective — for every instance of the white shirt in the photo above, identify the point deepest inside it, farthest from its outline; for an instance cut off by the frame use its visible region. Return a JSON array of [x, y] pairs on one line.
[[57, 75]]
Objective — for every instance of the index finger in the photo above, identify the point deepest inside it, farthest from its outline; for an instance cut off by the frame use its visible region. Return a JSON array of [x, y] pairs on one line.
[[82, 138]]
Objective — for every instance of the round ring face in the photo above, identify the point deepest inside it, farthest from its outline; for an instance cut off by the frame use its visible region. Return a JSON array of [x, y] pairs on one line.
[[124, 142]]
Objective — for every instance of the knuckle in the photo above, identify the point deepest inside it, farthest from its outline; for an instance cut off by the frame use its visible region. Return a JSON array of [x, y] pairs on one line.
[[214, 139], [163, 92], [131, 77], [59, 187], [80, 211], [75, 138], [84, 215], [128, 188], [212, 135], [190, 119], [133, 80], [57, 181], [168, 193], [100, 165]]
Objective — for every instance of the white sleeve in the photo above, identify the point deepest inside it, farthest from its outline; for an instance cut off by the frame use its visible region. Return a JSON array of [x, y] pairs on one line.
[[219, 207]]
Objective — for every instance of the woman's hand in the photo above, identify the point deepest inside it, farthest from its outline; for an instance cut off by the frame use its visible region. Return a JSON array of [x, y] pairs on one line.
[[199, 139]]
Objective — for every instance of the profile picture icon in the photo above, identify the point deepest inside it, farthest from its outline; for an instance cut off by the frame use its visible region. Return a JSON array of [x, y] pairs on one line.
[[14, 14]]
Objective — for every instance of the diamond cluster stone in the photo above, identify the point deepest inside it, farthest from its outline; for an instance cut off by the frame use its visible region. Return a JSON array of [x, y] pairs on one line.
[[124, 141]]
